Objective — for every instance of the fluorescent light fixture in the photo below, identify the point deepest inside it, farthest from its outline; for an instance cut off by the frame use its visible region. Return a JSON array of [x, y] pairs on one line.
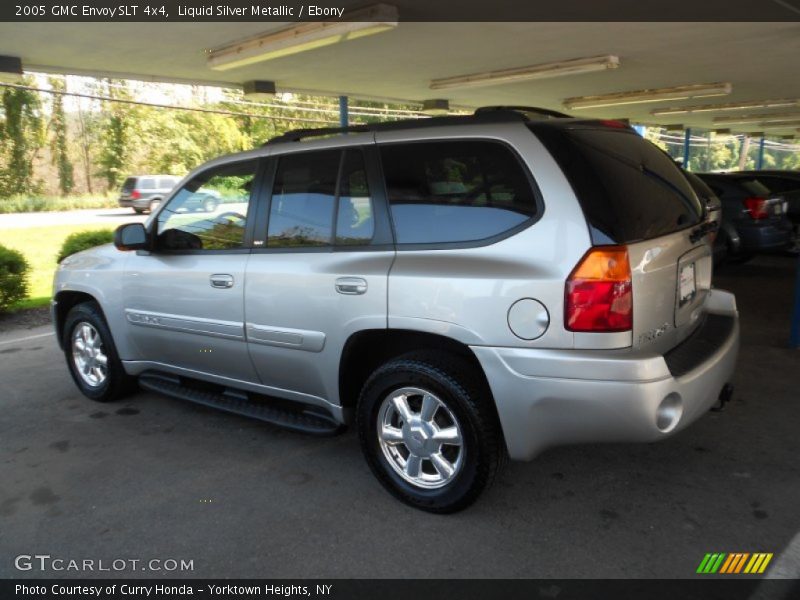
[[681, 92], [758, 118], [303, 37], [258, 90], [437, 106], [574, 66], [10, 69], [688, 110]]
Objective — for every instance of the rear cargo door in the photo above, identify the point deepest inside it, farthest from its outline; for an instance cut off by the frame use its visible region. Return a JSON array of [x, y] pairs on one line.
[[633, 194]]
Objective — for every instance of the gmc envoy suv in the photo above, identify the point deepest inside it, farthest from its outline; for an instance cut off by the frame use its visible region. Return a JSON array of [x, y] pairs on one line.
[[462, 289]]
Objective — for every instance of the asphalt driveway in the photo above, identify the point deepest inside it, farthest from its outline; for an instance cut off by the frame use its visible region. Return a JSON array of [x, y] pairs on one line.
[[153, 477]]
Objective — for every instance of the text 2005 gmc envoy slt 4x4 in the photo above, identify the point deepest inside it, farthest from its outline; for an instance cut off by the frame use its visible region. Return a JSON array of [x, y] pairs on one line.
[[462, 289]]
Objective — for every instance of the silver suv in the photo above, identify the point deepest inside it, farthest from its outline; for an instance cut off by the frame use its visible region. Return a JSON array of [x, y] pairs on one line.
[[146, 192], [462, 289]]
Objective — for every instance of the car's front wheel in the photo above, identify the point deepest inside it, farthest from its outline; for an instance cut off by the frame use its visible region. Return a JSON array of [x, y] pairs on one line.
[[429, 432], [91, 355]]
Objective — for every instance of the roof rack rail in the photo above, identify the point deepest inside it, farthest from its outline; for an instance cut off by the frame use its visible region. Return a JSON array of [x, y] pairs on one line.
[[494, 115]]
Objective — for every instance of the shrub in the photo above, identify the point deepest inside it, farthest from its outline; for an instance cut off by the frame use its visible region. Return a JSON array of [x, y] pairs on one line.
[[37, 203], [83, 240], [13, 278]]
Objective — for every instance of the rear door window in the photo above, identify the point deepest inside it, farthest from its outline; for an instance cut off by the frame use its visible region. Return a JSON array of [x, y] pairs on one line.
[[449, 192], [321, 199], [628, 188], [146, 183]]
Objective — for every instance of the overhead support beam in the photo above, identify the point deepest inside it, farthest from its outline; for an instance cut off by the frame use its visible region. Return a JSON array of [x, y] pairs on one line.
[[258, 90], [436, 106], [303, 37], [10, 69]]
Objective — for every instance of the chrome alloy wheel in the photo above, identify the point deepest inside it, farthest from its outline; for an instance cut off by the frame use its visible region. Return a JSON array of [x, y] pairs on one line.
[[420, 437], [88, 354]]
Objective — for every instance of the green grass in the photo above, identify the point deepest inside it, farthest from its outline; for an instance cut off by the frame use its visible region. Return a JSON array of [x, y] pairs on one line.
[[21, 204], [40, 246]]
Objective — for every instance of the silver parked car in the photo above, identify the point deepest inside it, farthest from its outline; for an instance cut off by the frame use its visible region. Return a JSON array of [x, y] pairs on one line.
[[462, 289], [146, 192]]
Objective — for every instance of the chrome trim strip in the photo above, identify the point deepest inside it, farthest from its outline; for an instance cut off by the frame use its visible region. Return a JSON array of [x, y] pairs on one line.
[[285, 337], [184, 324]]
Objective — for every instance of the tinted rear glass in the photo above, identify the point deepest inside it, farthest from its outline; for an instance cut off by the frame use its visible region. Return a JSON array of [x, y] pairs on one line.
[[448, 192], [129, 185], [628, 188]]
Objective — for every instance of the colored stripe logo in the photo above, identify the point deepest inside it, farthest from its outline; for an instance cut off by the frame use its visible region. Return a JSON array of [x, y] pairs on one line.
[[734, 563]]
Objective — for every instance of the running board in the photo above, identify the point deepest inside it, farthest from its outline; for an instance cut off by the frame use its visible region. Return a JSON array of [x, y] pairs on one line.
[[301, 418]]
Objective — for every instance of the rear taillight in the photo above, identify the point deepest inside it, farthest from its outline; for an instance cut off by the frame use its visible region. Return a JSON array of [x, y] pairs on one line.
[[599, 296], [136, 194], [757, 208]]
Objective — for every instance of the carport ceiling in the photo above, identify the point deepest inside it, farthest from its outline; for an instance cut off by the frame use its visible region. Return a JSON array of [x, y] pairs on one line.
[[758, 59]]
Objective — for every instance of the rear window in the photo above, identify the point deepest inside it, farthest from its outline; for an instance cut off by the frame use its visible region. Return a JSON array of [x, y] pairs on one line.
[[129, 185], [628, 188], [450, 192]]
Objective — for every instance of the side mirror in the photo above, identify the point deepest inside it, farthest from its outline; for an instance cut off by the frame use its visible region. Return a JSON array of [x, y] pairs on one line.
[[131, 236]]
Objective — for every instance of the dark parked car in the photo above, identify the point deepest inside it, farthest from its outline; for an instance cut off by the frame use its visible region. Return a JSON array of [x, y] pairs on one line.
[[753, 218], [781, 183]]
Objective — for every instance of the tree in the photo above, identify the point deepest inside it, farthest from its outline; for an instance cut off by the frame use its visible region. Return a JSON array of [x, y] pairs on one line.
[[58, 144], [21, 136], [115, 137]]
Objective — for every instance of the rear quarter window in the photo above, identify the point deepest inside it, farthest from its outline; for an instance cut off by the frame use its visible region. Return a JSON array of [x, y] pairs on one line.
[[628, 188], [451, 192]]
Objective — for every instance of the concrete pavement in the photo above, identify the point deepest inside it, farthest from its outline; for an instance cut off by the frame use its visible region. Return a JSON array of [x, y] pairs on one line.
[[153, 477]]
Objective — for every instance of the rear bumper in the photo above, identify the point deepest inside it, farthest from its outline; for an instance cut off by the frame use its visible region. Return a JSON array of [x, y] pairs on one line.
[[550, 398], [130, 203], [765, 237]]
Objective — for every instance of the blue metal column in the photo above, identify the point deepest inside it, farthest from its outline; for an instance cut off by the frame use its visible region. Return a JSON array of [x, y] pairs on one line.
[[760, 163], [344, 117], [687, 147], [794, 337]]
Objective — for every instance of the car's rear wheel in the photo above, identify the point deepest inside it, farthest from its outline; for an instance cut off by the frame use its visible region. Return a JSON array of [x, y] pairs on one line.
[[429, 431], [138, 211], [91, 355]]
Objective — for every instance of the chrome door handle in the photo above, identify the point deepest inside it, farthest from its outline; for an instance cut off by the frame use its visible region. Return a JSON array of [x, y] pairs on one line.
[[351, 285], [221, 281]]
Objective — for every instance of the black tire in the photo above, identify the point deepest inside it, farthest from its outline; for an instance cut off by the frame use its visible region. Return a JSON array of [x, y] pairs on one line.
[[117, 383], [466, 396], [138, 211]]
